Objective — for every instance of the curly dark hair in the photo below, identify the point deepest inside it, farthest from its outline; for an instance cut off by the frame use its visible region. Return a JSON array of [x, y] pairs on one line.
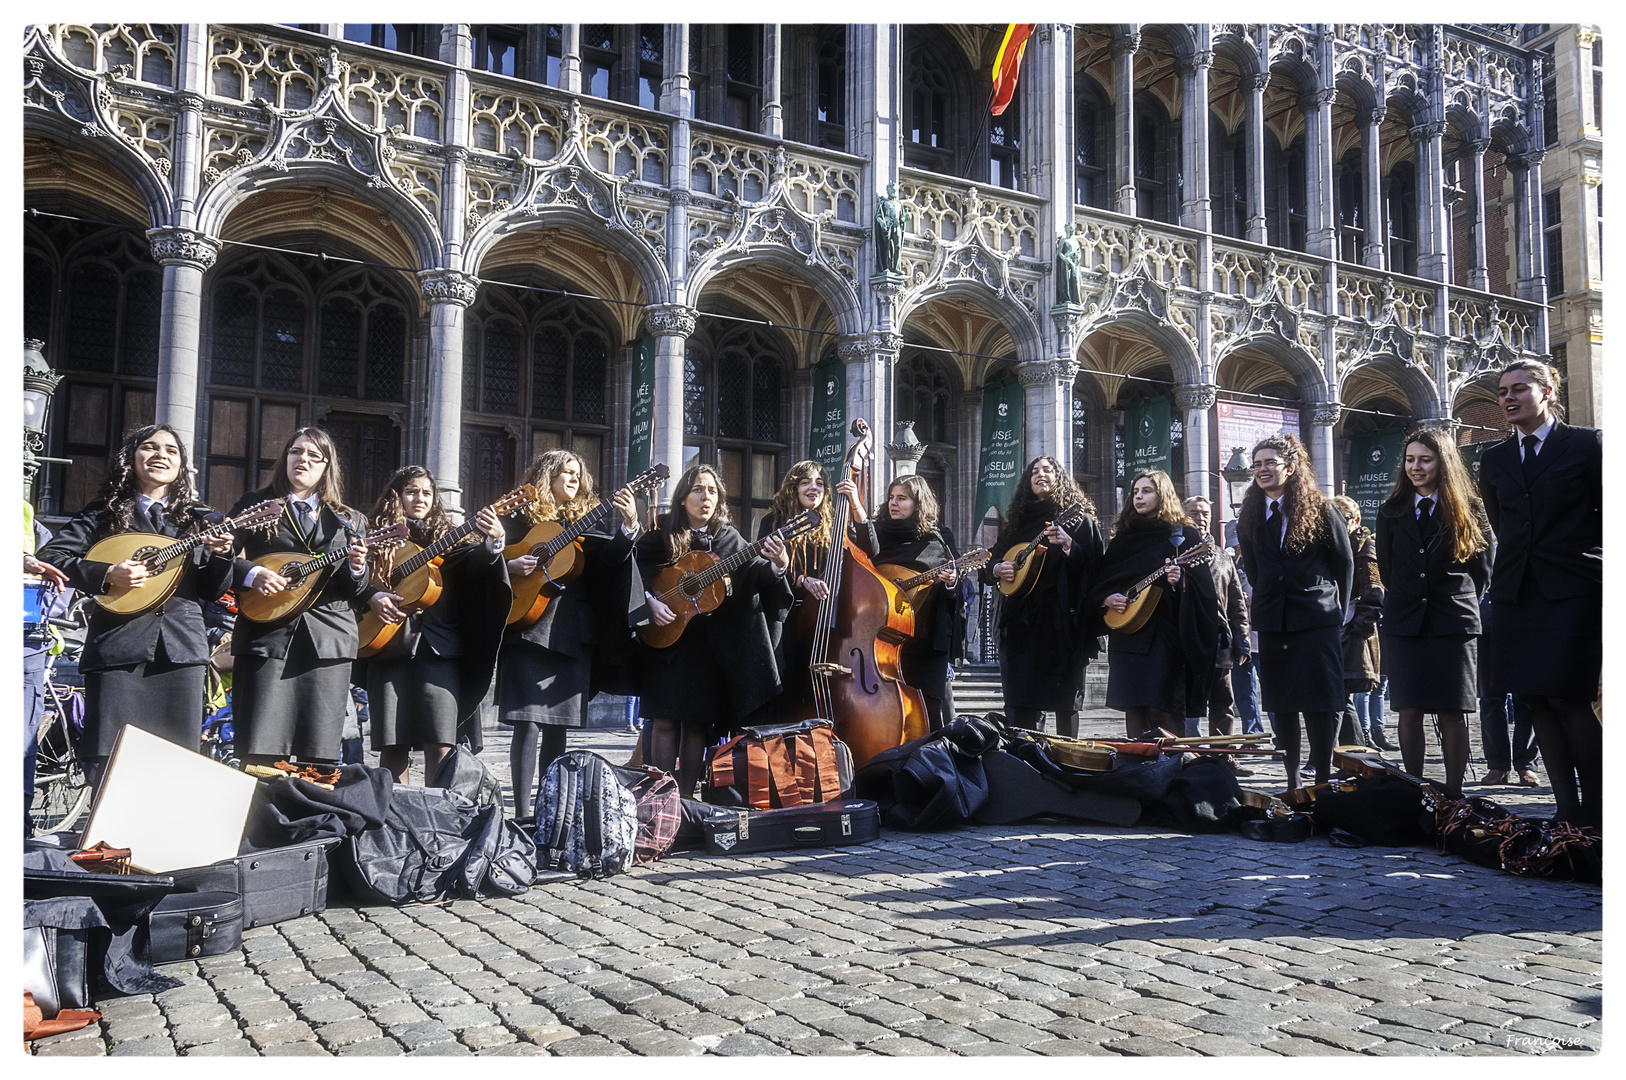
[[121, 485], [787, 503], [1067, 491], [387, 510], [1302, 502]]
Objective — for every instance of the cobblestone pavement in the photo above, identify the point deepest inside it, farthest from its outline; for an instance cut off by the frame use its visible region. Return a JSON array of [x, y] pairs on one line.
[[1032, 939]]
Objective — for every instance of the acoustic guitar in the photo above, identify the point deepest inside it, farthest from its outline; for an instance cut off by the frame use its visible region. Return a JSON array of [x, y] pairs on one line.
[[912, 587], [558, 551], [306, 574], [1029, 557], [1143, 597], [165, 558], [694, 584], [415, 574]]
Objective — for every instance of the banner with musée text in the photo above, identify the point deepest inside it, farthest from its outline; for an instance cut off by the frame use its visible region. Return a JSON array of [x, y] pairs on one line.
[[827, 435], [1148, 436], [999, 465], [1375, 460], [641, 435]]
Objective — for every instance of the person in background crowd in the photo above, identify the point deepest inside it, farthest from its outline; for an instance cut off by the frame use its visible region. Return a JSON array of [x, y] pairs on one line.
[[38, 645], [1505, 762], [145, 669], [1433, 547], [290, 680], [1234, 646], [1245, 673], [1543, 493], [1295, 550], [1362, 665], [1044, 642], [352, 746]]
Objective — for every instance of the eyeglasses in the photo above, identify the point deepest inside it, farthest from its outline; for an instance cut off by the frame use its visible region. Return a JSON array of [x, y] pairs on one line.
[[1271, 464], [311, 456]]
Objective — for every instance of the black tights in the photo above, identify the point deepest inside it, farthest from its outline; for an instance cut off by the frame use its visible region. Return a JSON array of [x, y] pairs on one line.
[[1322, 727], [677, 748], [940, 710], [1453, 746], [526, 762], [1571, 740], [1033, 720]]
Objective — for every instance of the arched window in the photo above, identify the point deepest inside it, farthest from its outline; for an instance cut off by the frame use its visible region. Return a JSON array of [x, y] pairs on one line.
[[1350, 193], [1228, 177], [1402, 239], [1005, 145], [930, 104], [734, 413], [1157, 163], [1092, 143], [830, 89], [1286, 196], [725, 68], [923, 393]]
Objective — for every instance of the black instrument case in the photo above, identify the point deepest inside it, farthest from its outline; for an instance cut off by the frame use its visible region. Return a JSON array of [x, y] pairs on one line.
[[733, 831]]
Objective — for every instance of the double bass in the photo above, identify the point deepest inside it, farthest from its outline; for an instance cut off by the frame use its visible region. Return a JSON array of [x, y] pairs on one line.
[[855, 632]]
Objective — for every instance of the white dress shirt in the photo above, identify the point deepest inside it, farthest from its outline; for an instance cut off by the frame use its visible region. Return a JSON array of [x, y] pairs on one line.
[[1541, 434]]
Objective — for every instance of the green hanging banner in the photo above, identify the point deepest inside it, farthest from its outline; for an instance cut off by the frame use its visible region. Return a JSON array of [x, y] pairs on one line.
[[1471, 455], [641, 436], [1375, 460], [827, 438], [1148, 436], [999, 466]]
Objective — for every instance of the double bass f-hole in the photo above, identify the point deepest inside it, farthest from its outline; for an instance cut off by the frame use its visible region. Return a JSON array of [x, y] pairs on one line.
[[869, 685]]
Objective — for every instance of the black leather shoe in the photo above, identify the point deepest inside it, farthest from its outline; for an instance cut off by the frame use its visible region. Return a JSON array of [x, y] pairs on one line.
[[1382, 743]]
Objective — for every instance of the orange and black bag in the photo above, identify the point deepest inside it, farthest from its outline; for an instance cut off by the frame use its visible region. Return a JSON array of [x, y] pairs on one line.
[[779, 765]]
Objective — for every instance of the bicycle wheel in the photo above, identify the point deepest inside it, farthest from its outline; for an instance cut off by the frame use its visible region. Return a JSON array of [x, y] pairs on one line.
[[62, 792]]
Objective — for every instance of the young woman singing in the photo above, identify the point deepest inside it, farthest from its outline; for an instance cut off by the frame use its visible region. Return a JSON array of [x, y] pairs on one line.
[[722, 669], [1161, 673], [291, 680], [1433, 543], [432, 674], [145, 669], [1295, 550], [547, 674]]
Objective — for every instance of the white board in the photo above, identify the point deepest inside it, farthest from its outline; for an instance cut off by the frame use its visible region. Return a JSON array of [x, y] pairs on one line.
[[171, 807]]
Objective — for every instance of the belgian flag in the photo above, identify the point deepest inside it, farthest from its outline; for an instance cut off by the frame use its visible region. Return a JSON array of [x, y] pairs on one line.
[[1007, 64]]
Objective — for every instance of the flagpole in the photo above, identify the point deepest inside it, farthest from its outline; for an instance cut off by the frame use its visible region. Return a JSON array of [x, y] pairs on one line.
[[982, 125]]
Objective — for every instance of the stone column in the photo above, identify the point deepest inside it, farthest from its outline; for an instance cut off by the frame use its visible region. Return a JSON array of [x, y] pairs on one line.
[[1124, 47], [773, 114], [1255, 230], [1321, 418], [1431, 254], [448, 294], [1322, 226], [870, 360], [1479, 276], [570, 57], [671, 324], [457, 44], [905, 450], [1046, 409], [1195, 206], [801, 412], [184, 255], [1196, 403], [1374, 252]]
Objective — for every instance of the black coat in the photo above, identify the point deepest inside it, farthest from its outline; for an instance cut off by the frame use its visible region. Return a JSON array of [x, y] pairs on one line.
[[330, 623], [1233, 608], [1550, 531], [1422, 578], [120, 640], [1303, 591], [940, 615]]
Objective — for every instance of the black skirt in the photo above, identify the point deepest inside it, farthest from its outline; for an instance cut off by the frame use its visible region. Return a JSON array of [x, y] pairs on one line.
[[159, 697], [1155, 677], [685, 683], [290, 706], [1301, 670], [536, 685], [1547, 648], [413, 702], [1432, 672]]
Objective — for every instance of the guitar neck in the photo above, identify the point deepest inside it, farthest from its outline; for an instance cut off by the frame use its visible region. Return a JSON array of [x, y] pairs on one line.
[[575, 531], [1184, 558], [432, 551], [926, 575], [188, 545]]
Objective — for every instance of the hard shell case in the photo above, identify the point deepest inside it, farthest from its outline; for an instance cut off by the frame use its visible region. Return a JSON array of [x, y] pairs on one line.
[[276, 884], [734, 831], [188, 926]]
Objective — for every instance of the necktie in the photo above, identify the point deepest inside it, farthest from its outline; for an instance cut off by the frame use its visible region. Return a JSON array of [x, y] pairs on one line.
[[302, 512], [155, 516], [1530, 444], [1273, 525], [1425, 515]]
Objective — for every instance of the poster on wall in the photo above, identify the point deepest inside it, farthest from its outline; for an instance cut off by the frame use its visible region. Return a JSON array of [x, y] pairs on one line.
[[1148, 436], [999, 465], [641, 433], [827, 437], [1242, 425], [1375, 459], [1471, 454]]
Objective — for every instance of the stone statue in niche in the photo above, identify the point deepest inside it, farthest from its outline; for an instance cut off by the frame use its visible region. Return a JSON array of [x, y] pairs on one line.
[[891, 214], [1069, 268]]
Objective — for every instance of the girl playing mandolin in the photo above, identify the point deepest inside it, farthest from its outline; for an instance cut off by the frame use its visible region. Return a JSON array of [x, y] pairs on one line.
[[1159, 674], [433, 672], [145, 669], [722, 669], [547, 673], [1044, 643], [908, 535], [291, 679]]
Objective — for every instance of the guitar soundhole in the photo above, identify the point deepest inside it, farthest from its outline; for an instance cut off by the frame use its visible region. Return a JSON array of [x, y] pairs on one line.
[[690, 588], [146, 553]]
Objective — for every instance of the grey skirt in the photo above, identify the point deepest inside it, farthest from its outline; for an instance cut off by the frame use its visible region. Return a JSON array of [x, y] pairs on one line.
[[1301, 671], [536, 685], [413, 702], [159, 697], [293, 706]]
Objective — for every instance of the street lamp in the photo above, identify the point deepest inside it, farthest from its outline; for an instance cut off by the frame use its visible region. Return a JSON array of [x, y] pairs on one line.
[[39, 383], [1238, 475]]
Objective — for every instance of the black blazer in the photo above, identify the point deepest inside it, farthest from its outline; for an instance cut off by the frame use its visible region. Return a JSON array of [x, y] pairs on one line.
[[1552, 530], [330, 623], [1421, 578], [1306, 591], [119, 640], [599, 604]]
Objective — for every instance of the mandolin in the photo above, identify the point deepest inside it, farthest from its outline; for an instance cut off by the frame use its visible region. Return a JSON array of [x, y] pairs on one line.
[[912, 587], [558, 552], [415, 575], [694, 584], [165, 558], [306, 574], [1029, 557], [1144, 596]]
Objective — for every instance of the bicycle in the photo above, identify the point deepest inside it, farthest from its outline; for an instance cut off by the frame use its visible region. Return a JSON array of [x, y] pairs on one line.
[[62, 790]]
